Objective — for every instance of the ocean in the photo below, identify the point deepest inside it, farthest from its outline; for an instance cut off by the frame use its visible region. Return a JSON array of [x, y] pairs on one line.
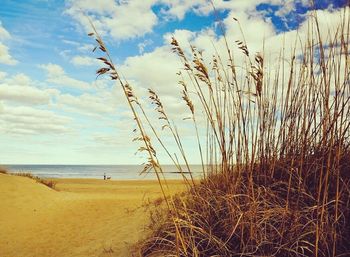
[[117, 172]]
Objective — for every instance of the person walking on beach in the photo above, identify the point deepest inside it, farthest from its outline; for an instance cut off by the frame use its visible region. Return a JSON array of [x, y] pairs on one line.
[[104, 176]]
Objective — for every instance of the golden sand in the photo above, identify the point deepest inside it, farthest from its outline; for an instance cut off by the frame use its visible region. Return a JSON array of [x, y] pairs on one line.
[[85, 217]]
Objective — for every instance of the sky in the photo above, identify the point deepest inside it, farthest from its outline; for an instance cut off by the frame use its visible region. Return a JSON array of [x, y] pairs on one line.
[[53, 109]]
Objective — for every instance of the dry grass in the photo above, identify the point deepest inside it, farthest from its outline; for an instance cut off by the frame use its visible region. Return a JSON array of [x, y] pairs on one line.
[[48, 183], [276, 159], [3, 170], [278, 218]]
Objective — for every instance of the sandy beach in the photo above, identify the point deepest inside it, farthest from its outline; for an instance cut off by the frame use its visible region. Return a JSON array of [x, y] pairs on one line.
[[83, 217]]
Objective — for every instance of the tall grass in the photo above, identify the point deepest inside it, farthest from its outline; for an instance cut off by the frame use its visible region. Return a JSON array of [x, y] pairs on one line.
[[276, 162]]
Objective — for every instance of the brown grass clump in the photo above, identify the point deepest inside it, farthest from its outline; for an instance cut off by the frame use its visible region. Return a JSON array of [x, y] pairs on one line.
[[276, 157], [220, 218], [3, 170], [48, 183]]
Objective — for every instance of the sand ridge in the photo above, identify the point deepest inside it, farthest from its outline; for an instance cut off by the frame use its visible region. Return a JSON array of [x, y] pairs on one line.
[[85, 217]]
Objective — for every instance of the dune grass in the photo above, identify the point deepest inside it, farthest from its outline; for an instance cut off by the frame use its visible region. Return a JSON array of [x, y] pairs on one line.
[[3, 170], [276, 157], [49, 183]]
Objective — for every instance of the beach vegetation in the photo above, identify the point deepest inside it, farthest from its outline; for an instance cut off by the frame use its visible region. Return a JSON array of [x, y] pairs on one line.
[[49, 183], [3, 170], [275, 155]]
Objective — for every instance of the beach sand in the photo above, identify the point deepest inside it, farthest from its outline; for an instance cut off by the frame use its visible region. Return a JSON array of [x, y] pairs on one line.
[[84, 217]]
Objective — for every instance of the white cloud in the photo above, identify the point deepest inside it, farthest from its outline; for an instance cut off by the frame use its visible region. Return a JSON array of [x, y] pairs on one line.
[[121, 20], [79, 60], [85, 48], [102, 103], [157, 69], [24, 94], [65, 54], [70, 42], [4, 35], [56, 75], [143, 45], [183, 36], [129, 19], [27, 120], [114, 18], [153, 70], [21, 89], [84, 61], [2, 75], [288, 7], [178, 8], [329, 21], [19, 79], [5, 56], [112, 140]]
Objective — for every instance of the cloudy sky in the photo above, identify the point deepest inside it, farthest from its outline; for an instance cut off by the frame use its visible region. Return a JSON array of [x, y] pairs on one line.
[[53, 110]]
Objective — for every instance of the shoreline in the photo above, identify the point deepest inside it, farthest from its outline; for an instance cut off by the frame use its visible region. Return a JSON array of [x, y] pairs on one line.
[[114, 180], [149, 178], [117, 172]]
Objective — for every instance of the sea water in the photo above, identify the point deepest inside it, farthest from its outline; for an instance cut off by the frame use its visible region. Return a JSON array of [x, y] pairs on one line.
[[117, 172]]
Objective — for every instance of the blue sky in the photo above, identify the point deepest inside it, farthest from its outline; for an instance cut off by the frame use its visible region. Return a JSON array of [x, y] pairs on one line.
[[52, 108]]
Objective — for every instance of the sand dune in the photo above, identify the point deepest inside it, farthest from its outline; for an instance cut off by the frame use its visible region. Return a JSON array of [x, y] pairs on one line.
[[83, 218]]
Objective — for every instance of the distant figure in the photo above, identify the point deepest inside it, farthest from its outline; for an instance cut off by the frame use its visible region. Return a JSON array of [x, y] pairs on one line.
[[104, 176]]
